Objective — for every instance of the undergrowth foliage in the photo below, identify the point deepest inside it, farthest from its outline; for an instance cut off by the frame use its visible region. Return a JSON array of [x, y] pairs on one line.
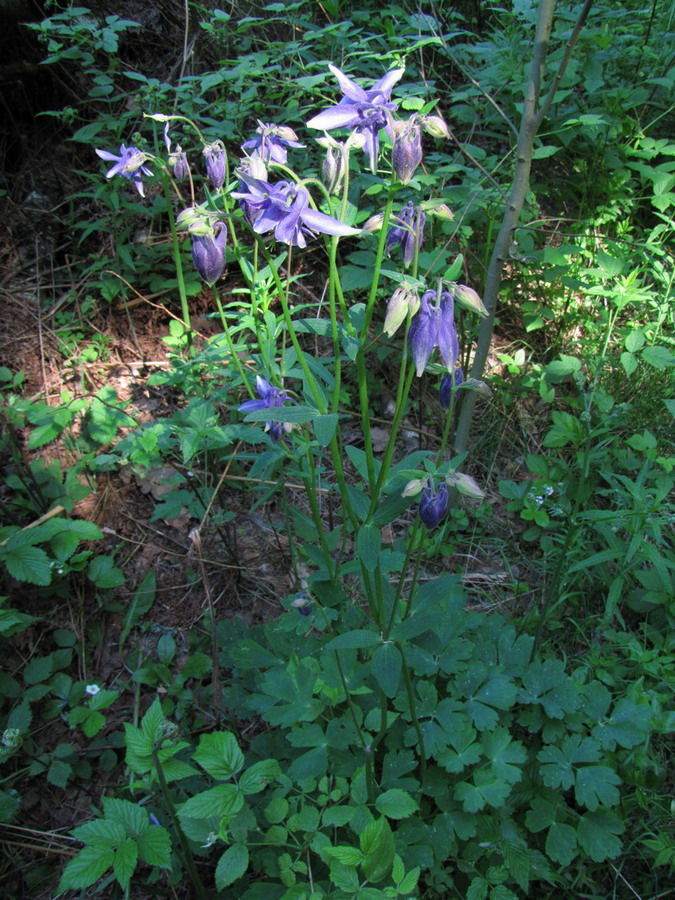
[[381, 736]]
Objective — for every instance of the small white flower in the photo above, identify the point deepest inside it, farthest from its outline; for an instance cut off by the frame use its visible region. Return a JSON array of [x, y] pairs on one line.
[[92, 689]]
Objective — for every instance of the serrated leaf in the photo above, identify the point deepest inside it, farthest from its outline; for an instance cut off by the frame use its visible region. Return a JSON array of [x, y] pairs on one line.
[[141, 603], [658, 356], [38, 669], [259, 775], [219, 754], [132, 817], [223, 800], [59, 773], [26, 563], [85, 869], [231, 865], [100, 833], [396, 804], [104, 573], [124, 865], [154, 846], [348, 856], [377, 843]]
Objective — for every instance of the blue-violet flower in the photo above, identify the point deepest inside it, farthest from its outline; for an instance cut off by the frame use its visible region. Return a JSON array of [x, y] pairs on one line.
[[270, 397], [433, 504], [284, 208], [406, 154], [272, 142], [366, 111], [128, 164], [407, 230], [449, 384], [208, 252], [434, 326], [215, 163]]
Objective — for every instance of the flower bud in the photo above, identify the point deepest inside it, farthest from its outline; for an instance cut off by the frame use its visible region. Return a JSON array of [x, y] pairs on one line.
[[196, 220], [215, 163], [448, 386], [433, 505], [208, 253], [179, 164], [404, 301], [333, 169], [435, 126], [480, 387], [407, 153], [436, 207], [413, 488], [468, 298], [465, 485], [374, 223]]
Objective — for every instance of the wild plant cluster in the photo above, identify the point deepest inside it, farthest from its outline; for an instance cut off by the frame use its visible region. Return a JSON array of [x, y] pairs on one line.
[[386, 732]]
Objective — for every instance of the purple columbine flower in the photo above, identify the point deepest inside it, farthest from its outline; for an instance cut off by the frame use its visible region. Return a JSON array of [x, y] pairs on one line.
[[434, 326], [449, 384], [270, 397], [406, 154], [284, 208], [129, 164], [272, 143], [408, 230], [366, 111], [208, 253], [215, 163], [433, 504], [178, 158]]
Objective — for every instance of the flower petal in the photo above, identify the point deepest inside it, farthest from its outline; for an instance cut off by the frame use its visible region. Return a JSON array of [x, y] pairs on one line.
[[342, 115], [387, 82], [348, 87], [319, 221]]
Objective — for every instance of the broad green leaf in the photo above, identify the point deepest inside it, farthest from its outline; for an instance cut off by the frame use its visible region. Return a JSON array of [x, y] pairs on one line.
[[131, 816], [85, 869], [506, 757], [141, 603], [223, 800], [38, 669], [377, 843], [259, 775], [561, 843], [297, 414], [154, 847], [26, 563], [104, 573], [628, 725], [348, 856], [324, 428], [540, 815], [368, 545], [396, 804], [219, 754], [597, 834], [659, 357], [100, 833], [386, 665], [231, 865], [354, 640], [124, 865], [596, 786]]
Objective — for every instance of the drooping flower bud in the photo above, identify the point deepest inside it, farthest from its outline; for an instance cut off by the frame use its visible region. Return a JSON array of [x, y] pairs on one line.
[[195, 219], [407, 230], [433, 505], [407, 153], [404, 301], [466, 485], [374, 223], [435, 126], [333, 169], [469, 299], [208, 253], [449, 384], [413, 488], [215, 163]]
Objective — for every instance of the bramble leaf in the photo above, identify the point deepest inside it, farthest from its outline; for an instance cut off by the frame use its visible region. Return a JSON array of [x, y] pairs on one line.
[[218, 754]]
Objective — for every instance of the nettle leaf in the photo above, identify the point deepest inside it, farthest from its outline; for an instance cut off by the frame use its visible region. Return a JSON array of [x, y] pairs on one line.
[[377, 844], [85, 869], [218, 754], [223, 800], [396, 804], [595, 786], [231, 865], [597, 834], [154, 847], [259, 775], [547, 684]]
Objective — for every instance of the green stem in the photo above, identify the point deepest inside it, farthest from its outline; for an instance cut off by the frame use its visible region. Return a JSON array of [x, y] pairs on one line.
[[230, 343], [188, 859], [413, 711], [175, 247]]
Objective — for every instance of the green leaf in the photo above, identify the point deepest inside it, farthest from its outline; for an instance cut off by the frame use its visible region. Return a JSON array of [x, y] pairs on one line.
[[377, 844], [348, 856], [324, 428], [561, 843], [231, 865], [386, 665], [596, 786], [396, 804], [131, 816], [219, 754], [126, 858], [259, 775], [507, 757], [59, 773], [38, 669], [658, 356], [297, 414], [85, 869], [154, 847], [547, 684], [566, 429], [104, 573], [141, 603], [368, 545], [628, 725], [354, 640], [597, 834], [100, 833], [26, 563], [223, 800]]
